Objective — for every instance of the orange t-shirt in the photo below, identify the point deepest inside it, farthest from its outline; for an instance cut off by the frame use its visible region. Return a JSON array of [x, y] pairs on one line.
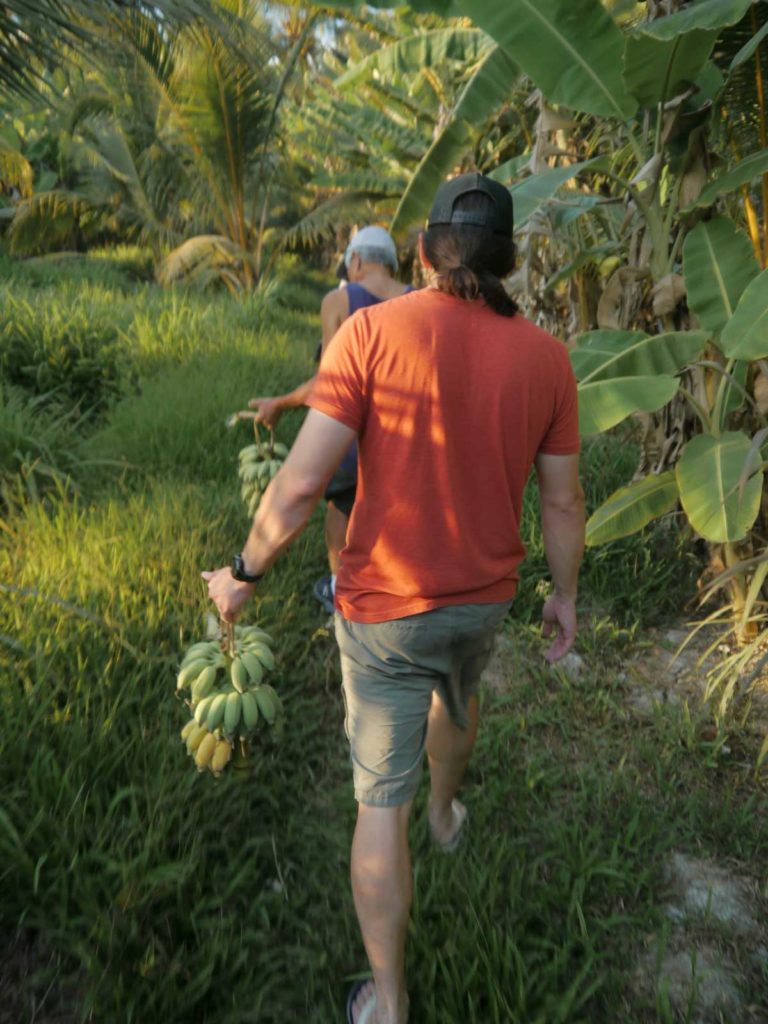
[[451, 403]]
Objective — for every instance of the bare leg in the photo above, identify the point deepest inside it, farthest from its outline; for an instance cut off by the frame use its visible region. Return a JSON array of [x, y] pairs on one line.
[[448, 750], [382, 887], [335, 534]]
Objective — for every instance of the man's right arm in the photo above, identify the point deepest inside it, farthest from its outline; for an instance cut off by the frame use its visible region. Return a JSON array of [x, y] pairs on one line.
[[562, 523]]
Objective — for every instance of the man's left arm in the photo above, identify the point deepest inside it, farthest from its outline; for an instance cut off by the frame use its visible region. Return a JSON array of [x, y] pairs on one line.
[[285, 507]]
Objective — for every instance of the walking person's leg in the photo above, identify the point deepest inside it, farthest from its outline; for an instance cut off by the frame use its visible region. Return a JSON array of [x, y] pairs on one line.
[[382, 887], [448, 749]]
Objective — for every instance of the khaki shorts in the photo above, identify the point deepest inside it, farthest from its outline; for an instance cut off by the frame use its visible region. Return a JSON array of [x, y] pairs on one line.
[[389, 670]]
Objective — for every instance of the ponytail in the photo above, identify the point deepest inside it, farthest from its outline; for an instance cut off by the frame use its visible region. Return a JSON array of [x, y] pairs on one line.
[[465, 283], [471, 261]]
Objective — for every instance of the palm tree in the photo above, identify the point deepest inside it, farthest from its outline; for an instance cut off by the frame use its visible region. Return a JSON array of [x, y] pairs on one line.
[[175, 139]]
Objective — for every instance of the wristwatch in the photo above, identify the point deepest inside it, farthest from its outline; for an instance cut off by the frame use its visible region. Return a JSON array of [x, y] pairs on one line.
[[239, 573]]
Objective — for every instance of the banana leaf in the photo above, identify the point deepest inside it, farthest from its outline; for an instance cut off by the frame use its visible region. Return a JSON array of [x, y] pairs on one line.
[[709, 475], [705, 14], [605, 355], [742, 174], [604, 403], [745, 336], [655, 70], [632, 507], [748, 49], [719, 263], [486, 90], [425, 50], [572, 49], [532, 192]]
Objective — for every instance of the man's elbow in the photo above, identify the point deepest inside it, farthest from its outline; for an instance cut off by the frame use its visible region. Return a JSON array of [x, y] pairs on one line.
[[298, 488], [570, 502]]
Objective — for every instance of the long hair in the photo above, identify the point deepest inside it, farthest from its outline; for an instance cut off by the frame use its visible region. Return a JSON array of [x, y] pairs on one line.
[[471, 261]]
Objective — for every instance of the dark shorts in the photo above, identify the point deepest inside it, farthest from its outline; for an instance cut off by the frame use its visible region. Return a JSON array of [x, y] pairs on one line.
[[343, 484], [389, 672]]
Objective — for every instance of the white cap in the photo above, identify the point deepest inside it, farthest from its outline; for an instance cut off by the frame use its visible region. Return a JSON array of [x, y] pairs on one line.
[[373, 245]]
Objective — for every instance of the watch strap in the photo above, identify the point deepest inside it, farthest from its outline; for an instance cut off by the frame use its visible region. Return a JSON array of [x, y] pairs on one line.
[[239, 573]]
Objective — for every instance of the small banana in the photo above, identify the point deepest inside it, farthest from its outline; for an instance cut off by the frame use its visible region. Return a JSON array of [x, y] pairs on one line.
[[250, 711], [190, 672], [251, 451], [221, 756], [196, 737], [215, 714], [232, 713], [253, 633], [191, 724], [239, 674], [253, 667], [204, 752], [198, 650], [203, 685], [203, 707], [263, 653], [268, 703]]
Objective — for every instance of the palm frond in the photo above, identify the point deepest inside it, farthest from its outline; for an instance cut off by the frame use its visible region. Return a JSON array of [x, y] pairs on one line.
[[36, 32], [205, 258], [16, 172], [425, 50], [48, 221], [338, 211]]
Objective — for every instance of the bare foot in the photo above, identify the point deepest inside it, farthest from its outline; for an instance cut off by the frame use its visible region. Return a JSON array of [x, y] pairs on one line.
[[445, 827]]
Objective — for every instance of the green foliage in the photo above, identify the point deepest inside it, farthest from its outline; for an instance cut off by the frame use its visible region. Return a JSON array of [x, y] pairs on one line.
[[745, 336], [69, 354], [706, 14], [604, 403], [719, 263], [572, 49], [39, 448], [158, 890], [720, 485], [602, 355], [631, 508], [744, 172], [488, 87], [655, 69]]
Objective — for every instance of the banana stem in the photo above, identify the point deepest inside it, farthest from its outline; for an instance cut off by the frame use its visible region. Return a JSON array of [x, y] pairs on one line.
[[227, 630]]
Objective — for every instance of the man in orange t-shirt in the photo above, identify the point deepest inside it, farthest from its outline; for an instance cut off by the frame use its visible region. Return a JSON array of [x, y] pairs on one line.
[[453, 398]]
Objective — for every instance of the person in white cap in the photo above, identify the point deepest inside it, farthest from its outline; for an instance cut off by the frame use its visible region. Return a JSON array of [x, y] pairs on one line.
[[370, 262]]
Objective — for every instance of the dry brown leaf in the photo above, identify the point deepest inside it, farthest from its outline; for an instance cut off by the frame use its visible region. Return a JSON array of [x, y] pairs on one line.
[[611, 306], [667, 294], [761, 392], [552, 121]]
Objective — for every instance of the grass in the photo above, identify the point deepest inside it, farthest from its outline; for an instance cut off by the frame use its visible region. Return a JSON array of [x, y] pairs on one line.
[[137, 890]]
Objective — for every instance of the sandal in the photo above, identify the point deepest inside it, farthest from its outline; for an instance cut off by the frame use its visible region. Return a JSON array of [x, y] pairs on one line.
[[367, 1012], [460, 817]]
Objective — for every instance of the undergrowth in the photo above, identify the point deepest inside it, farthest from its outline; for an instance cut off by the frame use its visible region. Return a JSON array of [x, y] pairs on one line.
[[141, 891]]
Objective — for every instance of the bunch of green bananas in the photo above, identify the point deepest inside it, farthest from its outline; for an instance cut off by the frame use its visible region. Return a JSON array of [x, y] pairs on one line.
[[228, 697], [259, 462]]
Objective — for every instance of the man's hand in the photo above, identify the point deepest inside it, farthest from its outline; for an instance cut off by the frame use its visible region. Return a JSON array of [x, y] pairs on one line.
[[228, 594], [269, 410], [559, 613]]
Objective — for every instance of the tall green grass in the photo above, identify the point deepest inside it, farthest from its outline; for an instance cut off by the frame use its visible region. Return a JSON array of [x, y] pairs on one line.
[[154, 894]]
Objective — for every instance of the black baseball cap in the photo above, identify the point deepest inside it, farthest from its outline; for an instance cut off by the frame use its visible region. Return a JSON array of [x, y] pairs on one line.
[[500, 219]]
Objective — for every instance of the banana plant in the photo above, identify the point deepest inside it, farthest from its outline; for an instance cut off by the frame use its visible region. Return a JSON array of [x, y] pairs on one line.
[[652, 86]]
